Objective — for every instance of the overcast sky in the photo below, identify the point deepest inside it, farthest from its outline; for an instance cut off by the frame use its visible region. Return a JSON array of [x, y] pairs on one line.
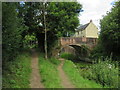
[[94, 9]]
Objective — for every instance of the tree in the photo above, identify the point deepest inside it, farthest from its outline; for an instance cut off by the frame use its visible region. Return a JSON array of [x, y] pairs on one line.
[[61, 19], [11, 31], [110, 31], [46, 53]]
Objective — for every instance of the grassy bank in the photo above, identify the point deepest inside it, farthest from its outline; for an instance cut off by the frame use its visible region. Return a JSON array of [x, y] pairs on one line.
[[16, 74], [74, 75], [49, 73]]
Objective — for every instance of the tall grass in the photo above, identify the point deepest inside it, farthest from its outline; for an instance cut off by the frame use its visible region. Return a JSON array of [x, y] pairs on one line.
[[68, 56], [16, 74], [74, 75], [49, 73], [103, 72]]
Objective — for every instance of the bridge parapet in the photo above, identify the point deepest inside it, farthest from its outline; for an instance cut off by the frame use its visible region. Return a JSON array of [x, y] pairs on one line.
[[78, 40]]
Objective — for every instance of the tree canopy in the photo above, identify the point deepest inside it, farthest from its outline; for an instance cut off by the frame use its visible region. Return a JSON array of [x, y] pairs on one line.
[[11, 31], [22, 20], [110, 31]]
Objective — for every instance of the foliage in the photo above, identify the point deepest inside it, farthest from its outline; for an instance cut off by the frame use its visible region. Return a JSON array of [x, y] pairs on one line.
[[12, 29], [64, 19], [103, 72], [59, 20], [110, 27], [97, 52], [49, 73], [17, 74], [73, 73], [30, 41], [68, 56], [82, 65]]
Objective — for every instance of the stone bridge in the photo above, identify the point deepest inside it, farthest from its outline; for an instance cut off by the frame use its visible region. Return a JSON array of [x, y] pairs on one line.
[[78, 41], [77, 45]]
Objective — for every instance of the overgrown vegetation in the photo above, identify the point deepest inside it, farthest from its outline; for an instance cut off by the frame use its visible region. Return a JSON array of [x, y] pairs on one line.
[[17, 74], [49, 73], [103, 72], [68, 56], [74, 75]]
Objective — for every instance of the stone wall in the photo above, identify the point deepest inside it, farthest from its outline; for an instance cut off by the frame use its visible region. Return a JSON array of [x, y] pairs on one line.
[[78, 40]]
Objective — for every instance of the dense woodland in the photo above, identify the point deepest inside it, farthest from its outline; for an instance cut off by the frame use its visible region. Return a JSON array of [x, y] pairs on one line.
[[23, 28]]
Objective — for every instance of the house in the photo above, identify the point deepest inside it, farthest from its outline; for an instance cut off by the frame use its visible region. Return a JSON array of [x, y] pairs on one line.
[[88, 30]]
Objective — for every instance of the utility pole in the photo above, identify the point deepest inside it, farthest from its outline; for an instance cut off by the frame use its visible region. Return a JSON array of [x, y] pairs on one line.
[[45, 41]]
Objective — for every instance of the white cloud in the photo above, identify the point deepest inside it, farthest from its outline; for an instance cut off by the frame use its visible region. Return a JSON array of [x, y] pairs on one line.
[[94, 9]]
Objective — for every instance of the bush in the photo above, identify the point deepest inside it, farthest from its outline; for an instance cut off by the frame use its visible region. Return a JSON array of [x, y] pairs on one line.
[[104, 72], [68, 56]]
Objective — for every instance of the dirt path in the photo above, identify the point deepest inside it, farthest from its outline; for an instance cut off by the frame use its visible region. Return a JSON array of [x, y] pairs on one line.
[[35, 76], [65, 81]]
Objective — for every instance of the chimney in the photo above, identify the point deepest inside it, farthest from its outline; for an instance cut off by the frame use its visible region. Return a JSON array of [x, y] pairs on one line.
[[90, 20]]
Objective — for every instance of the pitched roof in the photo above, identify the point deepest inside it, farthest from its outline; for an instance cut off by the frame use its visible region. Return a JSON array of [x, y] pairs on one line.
[[82, 27]]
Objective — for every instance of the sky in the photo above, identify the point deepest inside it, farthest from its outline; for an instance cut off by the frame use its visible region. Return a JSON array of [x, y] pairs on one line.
[[94, 10]]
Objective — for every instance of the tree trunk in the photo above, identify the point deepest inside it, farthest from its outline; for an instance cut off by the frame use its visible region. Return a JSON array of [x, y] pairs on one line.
[[45, 35]]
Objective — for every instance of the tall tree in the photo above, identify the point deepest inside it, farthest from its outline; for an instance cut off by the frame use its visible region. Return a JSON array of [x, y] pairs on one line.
[[61, 18], [11, 31], [110, 31]]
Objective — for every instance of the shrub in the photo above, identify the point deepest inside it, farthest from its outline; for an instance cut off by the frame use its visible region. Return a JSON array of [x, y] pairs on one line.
[[68, 56], [104, 72]]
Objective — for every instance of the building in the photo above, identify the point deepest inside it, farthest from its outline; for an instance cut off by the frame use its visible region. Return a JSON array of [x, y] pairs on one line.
[[88, 30]]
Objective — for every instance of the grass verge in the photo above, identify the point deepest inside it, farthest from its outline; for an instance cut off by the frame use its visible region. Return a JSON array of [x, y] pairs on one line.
[[74, 75], [16, 74], [49, 73]]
